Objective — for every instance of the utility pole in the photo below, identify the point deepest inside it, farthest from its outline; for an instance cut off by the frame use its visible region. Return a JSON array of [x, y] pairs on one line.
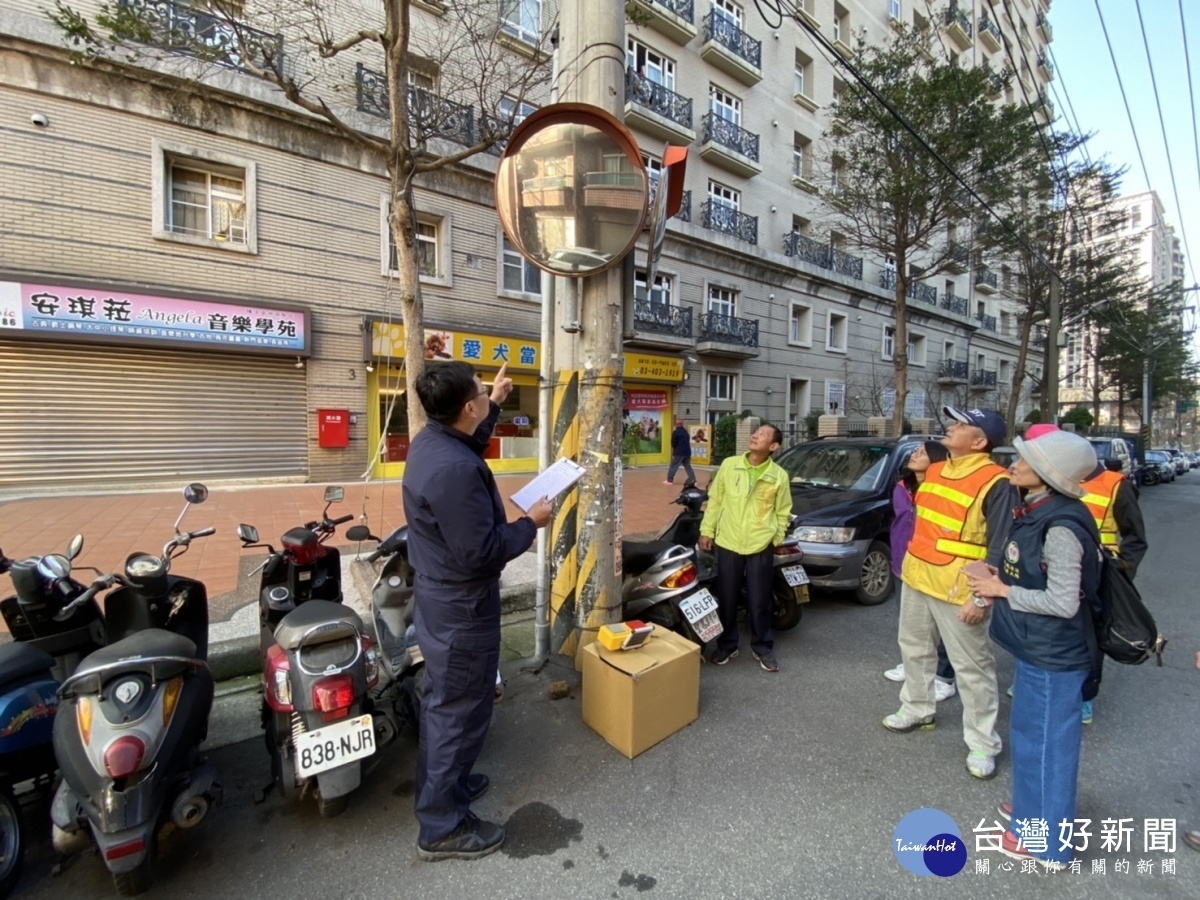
[[1050, 378], [591, 50]]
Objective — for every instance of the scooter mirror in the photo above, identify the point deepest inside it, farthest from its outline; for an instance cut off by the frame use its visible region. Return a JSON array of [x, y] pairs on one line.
[[334, 494], [248, 534], [54, 567], [359, 533], [75, 547], [195, 493]]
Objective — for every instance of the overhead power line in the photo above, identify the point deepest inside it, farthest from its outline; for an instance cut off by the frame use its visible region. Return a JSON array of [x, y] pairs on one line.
[[1191, 108], [1137, 143]]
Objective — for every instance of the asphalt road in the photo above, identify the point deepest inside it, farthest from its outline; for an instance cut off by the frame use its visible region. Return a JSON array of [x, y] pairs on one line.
[[786, 786]]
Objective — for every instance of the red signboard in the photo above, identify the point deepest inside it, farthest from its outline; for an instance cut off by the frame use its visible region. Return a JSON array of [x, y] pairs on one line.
[[646, 400]]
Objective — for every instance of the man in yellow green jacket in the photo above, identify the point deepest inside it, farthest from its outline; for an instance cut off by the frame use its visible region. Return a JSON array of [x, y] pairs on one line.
[[749, 505]]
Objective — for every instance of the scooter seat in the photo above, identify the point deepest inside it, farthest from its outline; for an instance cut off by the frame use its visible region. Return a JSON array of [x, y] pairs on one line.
[[638, 556], [307, 616], [19, 661], [298, 537], [150, 645]]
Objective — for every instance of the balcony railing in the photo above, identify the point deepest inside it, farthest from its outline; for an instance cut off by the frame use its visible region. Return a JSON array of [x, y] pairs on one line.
[[914, 290], [727, 134], [986, 278], [682, 8], [653, 96], [662, 318], [925, 293], [727, 220], [429, 114], [180, 28], [983, 379], [954, 304], [959, 254], [685, 208], [719, 29], [1044, 63], [822, 255], [958, 24], [1043, 24], [729, 330], [987, 323], [990, 28], [953, 369]]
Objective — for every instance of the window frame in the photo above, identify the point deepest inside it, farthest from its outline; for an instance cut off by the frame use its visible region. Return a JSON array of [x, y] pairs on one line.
[[831, 326], [504, 251], [729, 11], [918, 349], [724, 195], [520, 29], [665, 65], [444, 277], [720, 99], [887, 349], [806, 324], [165, 155], [734, 296], [664, 286]]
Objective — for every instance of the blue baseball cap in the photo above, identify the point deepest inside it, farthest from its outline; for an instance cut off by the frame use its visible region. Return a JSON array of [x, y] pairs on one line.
[[990, 422]]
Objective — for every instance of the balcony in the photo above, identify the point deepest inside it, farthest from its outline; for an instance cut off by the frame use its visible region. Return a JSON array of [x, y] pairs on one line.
[[956, 305], [1035, 387], [685, 208], [983, 381], [986, 282], [614, 190], [1043, 27], [730, 336], [673, 18], [989, 34], [986, 322], [822, 255], [1044, 65], [958, 257], [656, 110], [662, 326], [727, 220], [1046, 104], [952, 371], [178, 28], [429, 115], [550, 192], [731, 50], [958, 27], [729, 146], [914, 290]]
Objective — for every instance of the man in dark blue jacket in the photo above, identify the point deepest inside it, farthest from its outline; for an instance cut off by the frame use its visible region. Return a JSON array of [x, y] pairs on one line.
[[459, 542], [681, 453]]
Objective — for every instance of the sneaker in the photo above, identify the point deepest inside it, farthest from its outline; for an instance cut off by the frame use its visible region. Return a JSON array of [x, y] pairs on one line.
[[1191, 837], [981, 765], [1004, 811], [943, 690], [1087, 712], [896, 674], [472, 839], [720, 657], [671, 483], [1010, 846], [902, 724], [477, 786], [1009, 691], [767, 661]]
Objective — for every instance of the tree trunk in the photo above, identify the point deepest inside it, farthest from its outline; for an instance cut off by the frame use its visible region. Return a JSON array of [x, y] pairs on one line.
[[1010, 414], [402, 222], [900, 347]]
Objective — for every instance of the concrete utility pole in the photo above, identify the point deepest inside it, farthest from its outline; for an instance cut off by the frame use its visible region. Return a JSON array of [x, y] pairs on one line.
[[1050, 376], [592, 70]]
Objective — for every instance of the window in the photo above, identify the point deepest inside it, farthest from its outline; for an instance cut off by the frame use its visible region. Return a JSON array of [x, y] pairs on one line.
[[980, 308], [916, 349], [801, 225], [889, 266], [650, 64], [1135, 217], [801, 156], [522, 19], [835, 398], [519, 277], [724, 196], [722, 386], [841, 23], [835, 333], [948, 350], [427, 249], [980, 362], [894, 9], [729, 11], [513, 111], [206, 199], [663, 289], [800, 325], [433, 252], [835, 180], [724, 105], [914, 406], [889, 342], [1005, 376], [799, 400], [722, 301], [804, 75]]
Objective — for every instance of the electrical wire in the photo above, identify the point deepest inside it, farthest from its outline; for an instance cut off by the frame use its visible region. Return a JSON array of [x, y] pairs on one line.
[[1060, 82], [1124, 97], [1192, 108]]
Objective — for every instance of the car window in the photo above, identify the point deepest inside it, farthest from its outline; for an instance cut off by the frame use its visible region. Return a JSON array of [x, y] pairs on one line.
[[851, 467]]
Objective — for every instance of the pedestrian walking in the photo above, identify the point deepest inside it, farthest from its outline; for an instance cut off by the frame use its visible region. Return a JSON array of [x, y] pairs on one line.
[[1051, 567], [901, 531], [459, 540], [963, 510], [681, 453], [749, 504]]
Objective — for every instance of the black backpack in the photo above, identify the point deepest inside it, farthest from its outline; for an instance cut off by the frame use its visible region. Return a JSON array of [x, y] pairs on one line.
[[1125, 631]]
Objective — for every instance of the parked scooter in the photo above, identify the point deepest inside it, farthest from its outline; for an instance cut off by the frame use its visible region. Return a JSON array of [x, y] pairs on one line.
[[133, 715], [661, 585], [318, 665]]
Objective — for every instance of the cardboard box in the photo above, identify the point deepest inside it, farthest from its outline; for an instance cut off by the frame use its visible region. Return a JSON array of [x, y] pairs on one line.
[[636, 698]]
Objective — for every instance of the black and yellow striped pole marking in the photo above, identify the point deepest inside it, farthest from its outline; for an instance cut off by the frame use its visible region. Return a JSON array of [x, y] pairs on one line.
[[564, 526]]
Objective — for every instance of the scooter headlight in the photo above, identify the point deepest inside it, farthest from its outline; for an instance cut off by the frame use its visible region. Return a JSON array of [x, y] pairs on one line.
[[141, 568]]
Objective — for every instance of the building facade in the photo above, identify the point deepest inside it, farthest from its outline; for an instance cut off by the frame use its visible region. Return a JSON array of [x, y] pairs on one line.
[[197, 278]]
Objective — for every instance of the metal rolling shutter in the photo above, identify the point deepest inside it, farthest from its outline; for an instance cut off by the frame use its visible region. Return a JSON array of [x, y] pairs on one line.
[[72, 414]]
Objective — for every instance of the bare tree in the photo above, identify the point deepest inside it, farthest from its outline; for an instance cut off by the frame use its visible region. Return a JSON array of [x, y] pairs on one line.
[[366, 69]]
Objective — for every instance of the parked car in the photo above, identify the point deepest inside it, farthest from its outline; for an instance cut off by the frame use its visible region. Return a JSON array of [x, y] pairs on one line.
[[1192, 458], [1176, 458], [1110, 447], [1004, 456], [842, 497], [1159, 467]]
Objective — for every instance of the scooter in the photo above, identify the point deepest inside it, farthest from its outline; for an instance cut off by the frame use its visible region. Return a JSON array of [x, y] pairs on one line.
[[661, 586], [132, 716], [318, 664], [45, 650]]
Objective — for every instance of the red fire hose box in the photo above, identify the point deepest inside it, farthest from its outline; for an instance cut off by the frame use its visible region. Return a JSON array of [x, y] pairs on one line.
[[333, 428]]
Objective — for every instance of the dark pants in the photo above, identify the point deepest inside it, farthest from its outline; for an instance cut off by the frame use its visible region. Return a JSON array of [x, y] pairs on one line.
[[459, 634], [686, 461], [756, 572]]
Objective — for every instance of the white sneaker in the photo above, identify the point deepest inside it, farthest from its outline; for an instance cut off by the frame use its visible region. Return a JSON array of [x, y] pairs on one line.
[[896, 674], [943, 690]]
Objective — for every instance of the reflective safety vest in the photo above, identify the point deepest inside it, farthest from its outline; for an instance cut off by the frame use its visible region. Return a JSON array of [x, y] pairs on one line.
[[1100, 496], [950, 529]]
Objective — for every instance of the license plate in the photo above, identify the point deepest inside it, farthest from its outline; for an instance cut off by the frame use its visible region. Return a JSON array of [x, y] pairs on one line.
[[334, 745], [700, 609], [795, 575]]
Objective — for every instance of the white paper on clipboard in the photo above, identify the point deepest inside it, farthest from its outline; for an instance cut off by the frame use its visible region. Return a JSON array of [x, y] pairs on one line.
[[550, 483]]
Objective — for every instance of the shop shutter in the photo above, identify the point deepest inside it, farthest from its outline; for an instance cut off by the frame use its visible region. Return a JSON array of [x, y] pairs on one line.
[[77, 415]]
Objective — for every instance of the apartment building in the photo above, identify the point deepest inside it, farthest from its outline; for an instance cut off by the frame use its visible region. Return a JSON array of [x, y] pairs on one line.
[[197, 278]]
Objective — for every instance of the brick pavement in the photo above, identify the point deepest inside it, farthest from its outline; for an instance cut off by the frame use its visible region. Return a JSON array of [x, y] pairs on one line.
[[117, 524]]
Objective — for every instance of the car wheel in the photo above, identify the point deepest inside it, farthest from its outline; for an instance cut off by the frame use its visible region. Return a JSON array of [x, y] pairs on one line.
[[875, 577]]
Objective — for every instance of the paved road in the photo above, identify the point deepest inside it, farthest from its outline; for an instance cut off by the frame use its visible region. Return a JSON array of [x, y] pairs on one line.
[[786, 786]]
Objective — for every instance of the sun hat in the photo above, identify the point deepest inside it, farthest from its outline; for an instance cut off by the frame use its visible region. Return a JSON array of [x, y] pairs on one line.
[[1061, 459], [990, 422], [1036, 431]]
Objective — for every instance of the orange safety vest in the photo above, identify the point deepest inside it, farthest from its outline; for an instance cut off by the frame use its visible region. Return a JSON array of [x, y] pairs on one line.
[[950, 527], [1100, 496]]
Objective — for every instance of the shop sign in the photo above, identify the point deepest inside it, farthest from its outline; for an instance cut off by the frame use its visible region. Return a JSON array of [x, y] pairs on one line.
[[699, 436], [484, 350], [646, 400], [648, 367], [104, 314]]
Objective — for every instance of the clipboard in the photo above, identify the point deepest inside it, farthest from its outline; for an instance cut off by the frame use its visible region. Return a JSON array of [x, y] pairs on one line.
[[557, 478]]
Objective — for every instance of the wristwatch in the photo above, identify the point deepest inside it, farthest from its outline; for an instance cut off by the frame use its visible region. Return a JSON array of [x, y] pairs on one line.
[[980, 602]]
